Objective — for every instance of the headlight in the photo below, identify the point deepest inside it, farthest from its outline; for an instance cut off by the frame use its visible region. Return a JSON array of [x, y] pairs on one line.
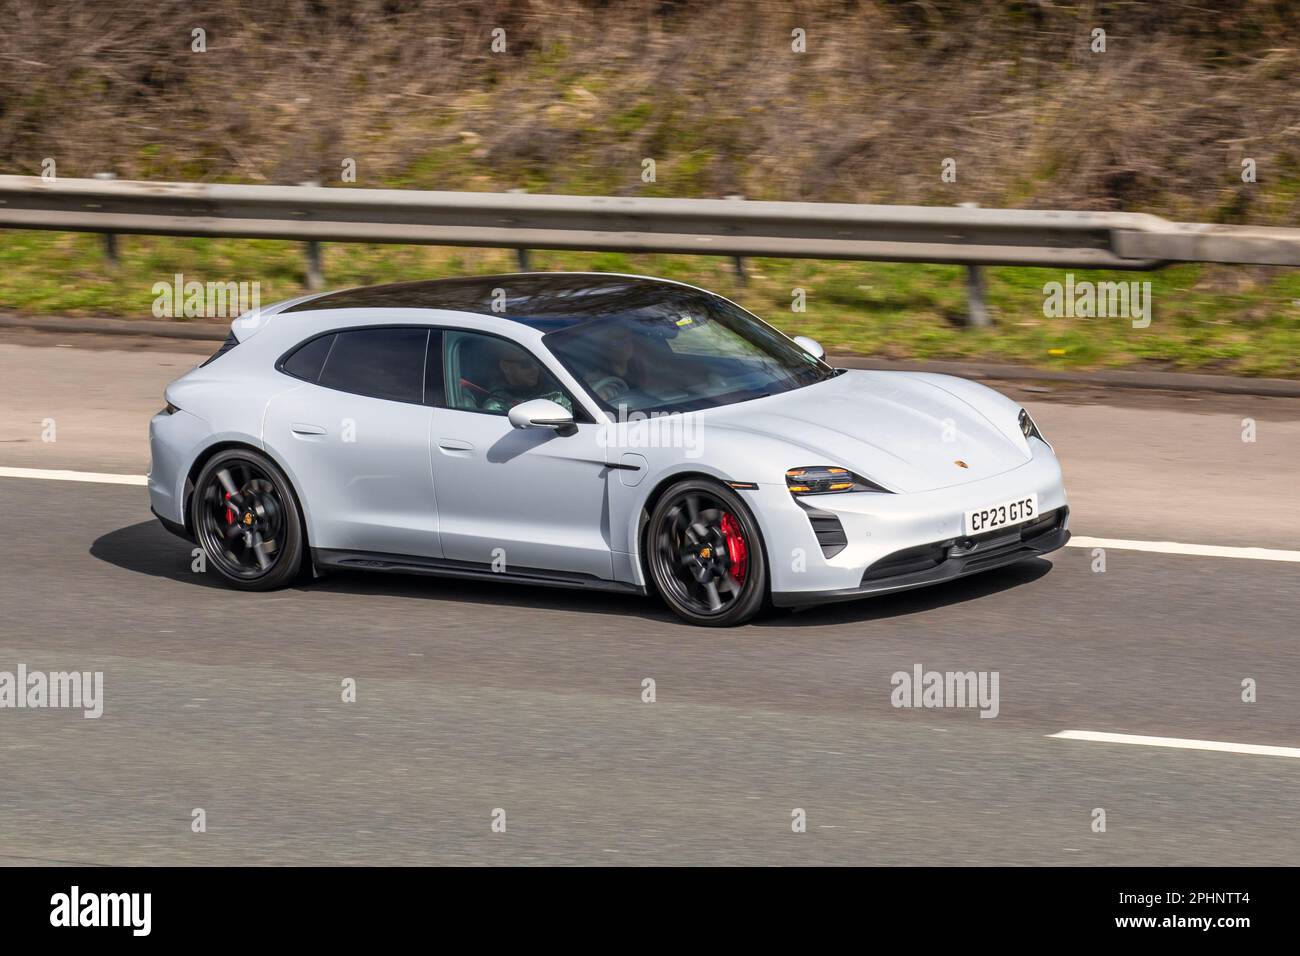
[[1028, 428], [826, 480]]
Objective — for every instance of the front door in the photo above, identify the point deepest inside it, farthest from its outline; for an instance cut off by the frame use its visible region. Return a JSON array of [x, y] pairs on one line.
[[511, 499]]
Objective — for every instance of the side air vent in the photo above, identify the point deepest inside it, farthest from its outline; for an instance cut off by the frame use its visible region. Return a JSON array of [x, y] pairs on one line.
[[829, 531]]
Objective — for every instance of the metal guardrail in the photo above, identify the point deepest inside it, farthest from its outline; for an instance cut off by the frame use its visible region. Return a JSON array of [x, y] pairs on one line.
[[724, 227], [732, 227]]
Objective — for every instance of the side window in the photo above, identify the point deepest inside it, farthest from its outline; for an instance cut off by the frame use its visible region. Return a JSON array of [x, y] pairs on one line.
[[483, 373], [381, 363], [309, 359]]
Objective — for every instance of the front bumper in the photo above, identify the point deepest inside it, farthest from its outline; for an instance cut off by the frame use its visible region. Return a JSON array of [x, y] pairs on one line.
[[836, 547], [945, 560]]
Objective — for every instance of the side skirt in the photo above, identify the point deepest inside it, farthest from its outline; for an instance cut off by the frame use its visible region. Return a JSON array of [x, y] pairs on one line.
[[328, 558]]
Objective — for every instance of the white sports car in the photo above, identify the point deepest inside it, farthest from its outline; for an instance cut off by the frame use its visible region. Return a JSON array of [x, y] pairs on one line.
[[589, 430]]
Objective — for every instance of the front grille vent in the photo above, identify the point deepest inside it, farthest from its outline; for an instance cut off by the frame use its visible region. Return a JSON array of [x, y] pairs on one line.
[[910, 561]]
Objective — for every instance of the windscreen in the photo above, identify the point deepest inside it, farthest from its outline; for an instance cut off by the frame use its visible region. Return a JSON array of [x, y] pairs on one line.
[[684, 351]]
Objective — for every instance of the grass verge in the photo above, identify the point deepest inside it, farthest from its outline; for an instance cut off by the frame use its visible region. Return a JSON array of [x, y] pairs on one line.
[[1234, 320]]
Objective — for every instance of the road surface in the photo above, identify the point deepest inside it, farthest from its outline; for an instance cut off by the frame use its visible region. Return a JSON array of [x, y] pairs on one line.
[[472, 698]]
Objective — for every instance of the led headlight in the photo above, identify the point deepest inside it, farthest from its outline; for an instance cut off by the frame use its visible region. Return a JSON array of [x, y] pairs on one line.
[[826, 480], [1028, 428]]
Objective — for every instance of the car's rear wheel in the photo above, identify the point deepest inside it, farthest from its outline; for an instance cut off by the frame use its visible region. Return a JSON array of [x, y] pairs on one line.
[[705, 555], [246, 519]]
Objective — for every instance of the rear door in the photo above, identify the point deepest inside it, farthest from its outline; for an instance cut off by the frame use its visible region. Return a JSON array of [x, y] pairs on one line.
[[355, 438]]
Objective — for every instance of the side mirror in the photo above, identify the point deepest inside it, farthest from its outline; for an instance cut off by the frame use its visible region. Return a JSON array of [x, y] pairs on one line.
[[540, 413], [811, 346]]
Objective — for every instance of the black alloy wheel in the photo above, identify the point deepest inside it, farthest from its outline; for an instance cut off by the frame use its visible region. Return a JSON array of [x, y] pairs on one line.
[[705, 554], [246, 519]]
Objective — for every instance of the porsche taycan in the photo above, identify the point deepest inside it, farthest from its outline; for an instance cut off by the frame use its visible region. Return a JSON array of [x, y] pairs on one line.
[[610, 432]]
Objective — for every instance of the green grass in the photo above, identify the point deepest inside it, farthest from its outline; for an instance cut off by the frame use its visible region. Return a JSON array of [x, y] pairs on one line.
[[1210, 318]]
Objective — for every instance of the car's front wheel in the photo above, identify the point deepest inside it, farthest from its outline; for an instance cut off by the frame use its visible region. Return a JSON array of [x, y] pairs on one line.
[[705, 554], [246, 519]]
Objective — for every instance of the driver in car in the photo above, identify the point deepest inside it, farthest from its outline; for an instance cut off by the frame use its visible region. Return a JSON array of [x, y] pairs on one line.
[[620, 369], [521, 381]]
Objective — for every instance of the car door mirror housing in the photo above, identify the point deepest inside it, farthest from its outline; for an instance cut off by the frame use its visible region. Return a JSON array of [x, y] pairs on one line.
[[540, 413], [811, 346]]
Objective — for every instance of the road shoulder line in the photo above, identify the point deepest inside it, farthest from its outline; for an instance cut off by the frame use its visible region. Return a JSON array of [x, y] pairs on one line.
[[1177, 743], [55, 474], [1195, 550], [1078, 541]]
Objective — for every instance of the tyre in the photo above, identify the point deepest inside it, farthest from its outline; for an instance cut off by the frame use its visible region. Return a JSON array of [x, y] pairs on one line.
[[246, 518], [705, 554]]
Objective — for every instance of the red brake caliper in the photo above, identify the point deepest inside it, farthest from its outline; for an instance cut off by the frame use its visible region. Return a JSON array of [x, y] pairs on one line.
[[735, 547], [230, 513]]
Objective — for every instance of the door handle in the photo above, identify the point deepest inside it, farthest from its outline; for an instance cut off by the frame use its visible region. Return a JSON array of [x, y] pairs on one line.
[[302, 428], [455, 447]]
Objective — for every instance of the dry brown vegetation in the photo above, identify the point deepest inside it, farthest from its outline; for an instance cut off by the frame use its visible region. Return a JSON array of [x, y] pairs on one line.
[[712, 91]]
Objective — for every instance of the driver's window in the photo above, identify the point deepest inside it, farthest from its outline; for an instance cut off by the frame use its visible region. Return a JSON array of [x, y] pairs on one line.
[[485, 373]]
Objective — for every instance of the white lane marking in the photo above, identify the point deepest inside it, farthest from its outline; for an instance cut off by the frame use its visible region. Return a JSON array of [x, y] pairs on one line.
[[53, 475], [1178, 743], [1078, 541], [1173, 547]]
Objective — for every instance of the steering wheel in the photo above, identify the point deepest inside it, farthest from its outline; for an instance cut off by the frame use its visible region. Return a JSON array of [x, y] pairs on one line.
[[610, 387]]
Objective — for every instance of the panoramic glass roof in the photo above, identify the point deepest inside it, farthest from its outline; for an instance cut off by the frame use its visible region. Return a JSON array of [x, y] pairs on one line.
[[545, 301]]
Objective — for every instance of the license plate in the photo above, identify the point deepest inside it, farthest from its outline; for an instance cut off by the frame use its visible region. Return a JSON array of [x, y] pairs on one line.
[[1016, 511]]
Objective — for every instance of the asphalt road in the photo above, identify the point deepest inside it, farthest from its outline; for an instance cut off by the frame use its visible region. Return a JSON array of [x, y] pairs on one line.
[[472, 697]]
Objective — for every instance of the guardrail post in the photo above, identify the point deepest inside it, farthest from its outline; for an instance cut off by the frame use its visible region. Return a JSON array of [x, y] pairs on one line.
[[110, 238], [738, 262], [521, 255], [977, 314], [315, 270]]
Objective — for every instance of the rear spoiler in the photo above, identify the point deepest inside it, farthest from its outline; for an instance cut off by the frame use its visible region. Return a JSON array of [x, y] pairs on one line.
[[248, 324]]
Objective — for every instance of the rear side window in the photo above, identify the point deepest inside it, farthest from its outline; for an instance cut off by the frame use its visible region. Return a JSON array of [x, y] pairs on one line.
[[381, 363], [309, 359]]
